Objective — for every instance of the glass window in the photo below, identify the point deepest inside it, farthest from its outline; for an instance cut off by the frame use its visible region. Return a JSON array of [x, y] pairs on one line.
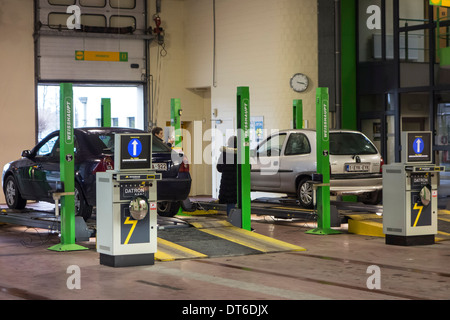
[[122, 4], [61, 2], [369, 30], [297, 144], [443, 119], [415, 111], [272, 147], [415, 57], [413, 12], [93, 20], [371, 103], [58, 20], [93, 3], [122, 22], [46, 150], [347, 143]]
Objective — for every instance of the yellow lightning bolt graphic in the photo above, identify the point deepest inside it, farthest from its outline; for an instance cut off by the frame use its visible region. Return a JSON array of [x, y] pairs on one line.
[[420, 208], [133, 223]]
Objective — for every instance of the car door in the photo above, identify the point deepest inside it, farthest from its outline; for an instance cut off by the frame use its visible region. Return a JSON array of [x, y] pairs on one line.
[[297, 160], [265, 175], [44, 174]]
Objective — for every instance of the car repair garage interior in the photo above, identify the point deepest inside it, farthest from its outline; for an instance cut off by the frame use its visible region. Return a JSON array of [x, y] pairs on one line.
[[221, 156]]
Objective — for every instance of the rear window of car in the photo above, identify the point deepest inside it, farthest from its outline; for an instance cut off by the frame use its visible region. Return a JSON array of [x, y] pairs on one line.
[[349, 143], [102, 142]]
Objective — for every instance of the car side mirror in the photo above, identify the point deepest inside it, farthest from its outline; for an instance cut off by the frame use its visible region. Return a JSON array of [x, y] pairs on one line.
[[26, 153]]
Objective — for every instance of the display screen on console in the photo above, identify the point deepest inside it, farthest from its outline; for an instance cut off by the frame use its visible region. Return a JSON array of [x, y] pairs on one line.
[[135, 152], [419, 147]]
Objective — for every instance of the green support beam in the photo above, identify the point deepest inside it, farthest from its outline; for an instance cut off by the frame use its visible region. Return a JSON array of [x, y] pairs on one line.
[[106, 113], [298, 114], [323, 164], [243, 156], [67, 171], [175, 119]]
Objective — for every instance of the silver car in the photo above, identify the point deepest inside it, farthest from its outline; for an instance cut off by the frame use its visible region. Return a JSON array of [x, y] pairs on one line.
[[285, 162]]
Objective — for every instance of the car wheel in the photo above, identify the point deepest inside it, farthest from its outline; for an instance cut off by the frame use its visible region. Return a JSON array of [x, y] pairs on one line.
[[13, 197], [305, 194], [81, 207], [168, 208]]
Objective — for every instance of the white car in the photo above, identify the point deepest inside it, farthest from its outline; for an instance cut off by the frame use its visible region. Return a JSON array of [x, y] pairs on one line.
[[285, 162]]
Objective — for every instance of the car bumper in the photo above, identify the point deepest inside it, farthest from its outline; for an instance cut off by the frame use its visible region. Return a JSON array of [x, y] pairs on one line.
[[174, 189], [357, 185]]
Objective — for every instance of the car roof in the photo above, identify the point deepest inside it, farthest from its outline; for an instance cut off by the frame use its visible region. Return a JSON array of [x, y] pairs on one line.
[[313, 130], [89, 130]]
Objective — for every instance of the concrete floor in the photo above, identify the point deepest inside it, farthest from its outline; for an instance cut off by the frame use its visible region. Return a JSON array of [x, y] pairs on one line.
[[332, 267]]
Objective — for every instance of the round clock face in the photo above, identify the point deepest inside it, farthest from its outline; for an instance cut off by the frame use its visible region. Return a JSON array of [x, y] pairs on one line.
[[299, 82]]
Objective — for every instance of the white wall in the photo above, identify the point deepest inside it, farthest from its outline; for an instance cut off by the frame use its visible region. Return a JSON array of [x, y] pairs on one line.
[[17, 105], [261, 44]]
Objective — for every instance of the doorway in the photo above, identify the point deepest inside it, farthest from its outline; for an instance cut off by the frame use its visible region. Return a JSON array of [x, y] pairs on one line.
[[127, 106]]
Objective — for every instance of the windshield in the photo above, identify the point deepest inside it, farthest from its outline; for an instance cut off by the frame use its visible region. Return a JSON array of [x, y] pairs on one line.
[[350, 143], [103, 142]]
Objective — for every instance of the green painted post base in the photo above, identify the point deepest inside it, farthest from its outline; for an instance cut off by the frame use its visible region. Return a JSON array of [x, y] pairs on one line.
[[67, 247], [321, 231]]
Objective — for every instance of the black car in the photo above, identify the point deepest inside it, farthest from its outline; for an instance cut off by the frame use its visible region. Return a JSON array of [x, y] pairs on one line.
[[36, 175]]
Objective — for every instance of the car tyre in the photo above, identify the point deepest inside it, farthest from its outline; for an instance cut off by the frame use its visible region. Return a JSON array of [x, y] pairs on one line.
[[168, 208], [305, 194], [81, 207], [13, 197]]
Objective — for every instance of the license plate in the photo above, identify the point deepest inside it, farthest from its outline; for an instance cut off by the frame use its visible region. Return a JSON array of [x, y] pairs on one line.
[[357, 167], [159, 166]]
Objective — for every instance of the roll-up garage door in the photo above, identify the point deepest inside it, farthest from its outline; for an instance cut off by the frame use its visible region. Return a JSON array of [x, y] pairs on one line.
[[91, 41]]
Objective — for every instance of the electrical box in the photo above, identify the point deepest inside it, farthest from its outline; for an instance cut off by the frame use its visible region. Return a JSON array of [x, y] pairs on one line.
[[127, 205], [410, 193]]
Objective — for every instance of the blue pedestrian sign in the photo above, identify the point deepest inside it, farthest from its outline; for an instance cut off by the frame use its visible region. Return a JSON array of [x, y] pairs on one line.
[[134, 148], [418, 146]]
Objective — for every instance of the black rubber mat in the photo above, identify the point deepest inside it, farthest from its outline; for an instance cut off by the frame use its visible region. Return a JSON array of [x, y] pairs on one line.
[[204, 243]]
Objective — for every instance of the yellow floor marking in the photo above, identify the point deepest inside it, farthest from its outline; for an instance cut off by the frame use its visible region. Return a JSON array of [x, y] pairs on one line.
[[252, 240], [169, 251]]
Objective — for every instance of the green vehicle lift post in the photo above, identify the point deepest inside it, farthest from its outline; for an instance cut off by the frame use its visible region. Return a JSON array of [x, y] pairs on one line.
[[243, 156], [297, 114], [323, 164], [175, 119], [67, 171], [106, 113]]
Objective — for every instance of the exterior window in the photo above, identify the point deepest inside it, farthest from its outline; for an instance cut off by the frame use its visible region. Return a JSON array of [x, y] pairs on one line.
[[413, 12]]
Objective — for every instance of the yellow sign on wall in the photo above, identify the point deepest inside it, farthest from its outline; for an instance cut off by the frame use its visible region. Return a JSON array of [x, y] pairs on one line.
[[444, 3], [101, 56]]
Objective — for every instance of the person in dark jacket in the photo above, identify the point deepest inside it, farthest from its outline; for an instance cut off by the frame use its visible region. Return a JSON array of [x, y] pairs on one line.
[[227, 165]]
